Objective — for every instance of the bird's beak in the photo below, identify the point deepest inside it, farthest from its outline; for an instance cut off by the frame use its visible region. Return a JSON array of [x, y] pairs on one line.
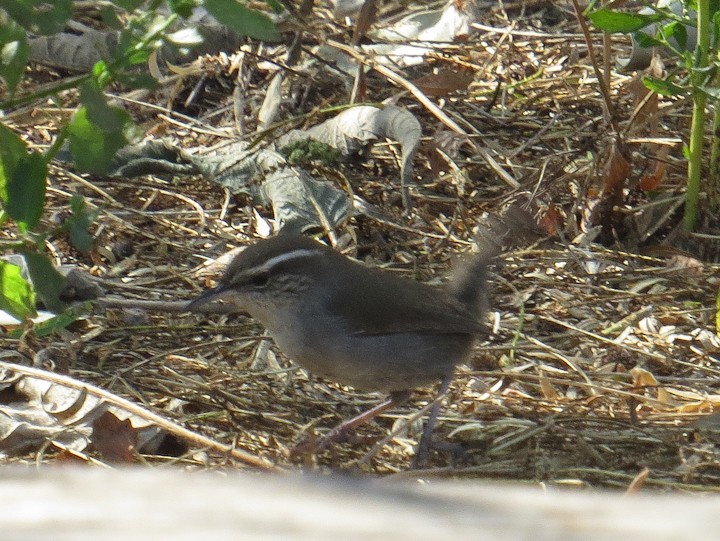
[[210, 296]]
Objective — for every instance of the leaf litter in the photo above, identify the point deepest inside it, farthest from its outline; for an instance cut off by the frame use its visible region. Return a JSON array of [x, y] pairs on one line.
[[602, 365]]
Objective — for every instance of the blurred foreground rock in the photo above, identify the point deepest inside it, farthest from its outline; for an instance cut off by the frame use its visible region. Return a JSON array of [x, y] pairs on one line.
[[93, 504]]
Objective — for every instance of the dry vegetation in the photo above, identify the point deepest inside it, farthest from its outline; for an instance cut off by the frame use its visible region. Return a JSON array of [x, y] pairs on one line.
[[600, 359]]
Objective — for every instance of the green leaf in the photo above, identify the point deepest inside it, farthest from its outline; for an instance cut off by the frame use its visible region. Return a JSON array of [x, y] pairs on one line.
[[26, 191], [14, 51], [103, 75], [100, 70], [663, 87], [78, 223], [184, 8], [22, 180], [109, 16], [676, 31], [242, 20], [46, 280], [39, 16], [93, 148], [711, 92], [686, 151], [186, 37], [12, 151], [99, 111], [707, 72], [141, 55], [646, 41], [276, 6], [618, 22], [97, 131], [125, 43], [16, 295], [61, 321]]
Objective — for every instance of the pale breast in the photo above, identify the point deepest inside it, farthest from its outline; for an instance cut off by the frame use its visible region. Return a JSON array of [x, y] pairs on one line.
[[390, 362]]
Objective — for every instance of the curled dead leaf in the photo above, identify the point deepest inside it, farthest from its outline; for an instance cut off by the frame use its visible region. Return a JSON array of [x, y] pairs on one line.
[[438, 85], [114, 439], [645, 383]]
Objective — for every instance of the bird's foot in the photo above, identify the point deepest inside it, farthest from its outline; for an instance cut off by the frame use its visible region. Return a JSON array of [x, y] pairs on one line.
[[312, 444], [422, 456]]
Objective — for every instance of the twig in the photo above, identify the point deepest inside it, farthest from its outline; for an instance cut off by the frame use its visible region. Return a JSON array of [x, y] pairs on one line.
[[135, 409], [177, 307], [604, 89]]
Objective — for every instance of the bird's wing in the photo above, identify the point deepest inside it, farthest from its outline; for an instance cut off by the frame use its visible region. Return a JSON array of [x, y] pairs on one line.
[[409, 306]]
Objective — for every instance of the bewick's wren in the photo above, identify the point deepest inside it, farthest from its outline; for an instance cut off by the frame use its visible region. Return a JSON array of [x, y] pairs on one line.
[[354, 324]]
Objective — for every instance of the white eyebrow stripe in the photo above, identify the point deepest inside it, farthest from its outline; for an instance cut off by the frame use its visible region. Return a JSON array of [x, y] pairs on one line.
[[295, 254]]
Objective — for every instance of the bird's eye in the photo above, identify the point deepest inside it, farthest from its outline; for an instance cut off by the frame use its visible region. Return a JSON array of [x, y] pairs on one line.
[[260, 279]]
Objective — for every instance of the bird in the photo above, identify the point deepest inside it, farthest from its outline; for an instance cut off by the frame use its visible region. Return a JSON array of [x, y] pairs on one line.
[[355, 324]]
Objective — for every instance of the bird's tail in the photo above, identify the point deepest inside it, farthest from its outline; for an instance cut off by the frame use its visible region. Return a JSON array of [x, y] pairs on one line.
[[513, 227]]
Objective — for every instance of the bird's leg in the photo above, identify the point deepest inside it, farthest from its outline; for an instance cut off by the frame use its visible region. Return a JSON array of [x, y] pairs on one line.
[[340, 431], [425, 444]]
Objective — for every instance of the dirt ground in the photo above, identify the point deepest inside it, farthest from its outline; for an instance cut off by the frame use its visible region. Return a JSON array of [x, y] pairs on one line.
[[600, 368]]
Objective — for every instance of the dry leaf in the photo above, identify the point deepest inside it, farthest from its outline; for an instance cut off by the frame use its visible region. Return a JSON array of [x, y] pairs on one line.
[[638, 482], [645, 382], [114, 439], [645, 103], [551, 220], [618, 169], [547, 389], [366, 17], [653, 180], [438, 85]]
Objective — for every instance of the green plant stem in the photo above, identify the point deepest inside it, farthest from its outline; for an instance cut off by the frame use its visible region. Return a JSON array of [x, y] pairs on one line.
[[11, 245], [694, 161], [51, 152], [713, 181], [713, 188], [698, 117], [156, 34]]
